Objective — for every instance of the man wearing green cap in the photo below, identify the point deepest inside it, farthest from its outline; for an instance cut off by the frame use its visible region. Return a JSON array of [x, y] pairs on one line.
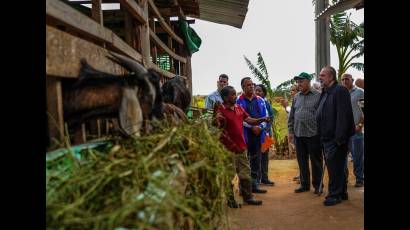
[[303, 129]]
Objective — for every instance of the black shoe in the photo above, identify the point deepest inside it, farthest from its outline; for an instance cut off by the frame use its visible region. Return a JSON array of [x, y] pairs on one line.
[[329, 201], [258, 190], [252, 201], [344, 196], [268, 182], [302, 189], [359, 184]]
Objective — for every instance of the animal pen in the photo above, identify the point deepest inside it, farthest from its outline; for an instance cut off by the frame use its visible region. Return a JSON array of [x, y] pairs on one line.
[[148, 31]]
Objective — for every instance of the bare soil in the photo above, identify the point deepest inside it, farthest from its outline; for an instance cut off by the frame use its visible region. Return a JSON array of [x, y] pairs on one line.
[[284, 209]]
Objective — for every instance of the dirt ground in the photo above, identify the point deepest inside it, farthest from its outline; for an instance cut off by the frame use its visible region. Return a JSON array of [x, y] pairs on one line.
[[284, 209]]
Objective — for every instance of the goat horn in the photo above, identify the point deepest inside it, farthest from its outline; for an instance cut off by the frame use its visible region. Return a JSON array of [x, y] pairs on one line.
[[128, 63]]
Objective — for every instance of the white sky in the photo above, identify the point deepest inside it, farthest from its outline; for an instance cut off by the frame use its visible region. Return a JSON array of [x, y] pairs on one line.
[[283, 31]]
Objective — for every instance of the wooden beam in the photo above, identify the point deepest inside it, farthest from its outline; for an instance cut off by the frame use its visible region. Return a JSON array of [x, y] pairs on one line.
[[55, 109], [135, 10], [163, 72], [129, 29], [96, 12], [64, 52], [87, 27], [171, 53], [144, 39], [153, 47], [163, 23]]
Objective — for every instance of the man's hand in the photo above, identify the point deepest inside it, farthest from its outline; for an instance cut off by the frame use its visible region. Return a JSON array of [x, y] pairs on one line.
[[220, 120], [291, 138], [284, 103], [359, 128], [264, 119], [256, 130]]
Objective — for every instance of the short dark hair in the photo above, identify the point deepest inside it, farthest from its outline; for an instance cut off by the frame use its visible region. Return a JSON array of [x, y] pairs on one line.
[[225, 91], [332, 71], [224, 76], [263, 87], [244, 79]]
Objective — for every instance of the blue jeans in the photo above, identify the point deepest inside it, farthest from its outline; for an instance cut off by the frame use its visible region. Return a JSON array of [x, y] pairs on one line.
[[356, 147]]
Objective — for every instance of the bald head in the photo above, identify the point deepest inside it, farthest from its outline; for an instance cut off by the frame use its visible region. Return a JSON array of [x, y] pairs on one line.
[[359, 83]]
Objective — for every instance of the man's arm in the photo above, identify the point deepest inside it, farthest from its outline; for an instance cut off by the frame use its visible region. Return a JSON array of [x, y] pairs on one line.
[[255, 121], [209, 102], [344, 116], [291, 121]]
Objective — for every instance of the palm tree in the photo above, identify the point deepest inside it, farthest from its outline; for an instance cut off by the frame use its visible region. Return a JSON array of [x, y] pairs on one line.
[[261, 73], [348, 39]]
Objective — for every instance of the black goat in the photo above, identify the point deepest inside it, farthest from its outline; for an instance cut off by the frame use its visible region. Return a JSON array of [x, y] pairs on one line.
[[131, 98], [175, 92]]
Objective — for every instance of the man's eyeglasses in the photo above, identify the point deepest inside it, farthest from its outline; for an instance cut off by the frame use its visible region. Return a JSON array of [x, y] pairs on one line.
[[344, 79]]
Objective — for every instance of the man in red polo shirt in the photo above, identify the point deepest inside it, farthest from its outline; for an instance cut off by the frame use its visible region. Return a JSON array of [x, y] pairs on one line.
[[230, 117]]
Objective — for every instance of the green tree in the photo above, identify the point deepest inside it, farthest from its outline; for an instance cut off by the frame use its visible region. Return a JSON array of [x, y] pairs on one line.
[[348, 37], [260, 72]]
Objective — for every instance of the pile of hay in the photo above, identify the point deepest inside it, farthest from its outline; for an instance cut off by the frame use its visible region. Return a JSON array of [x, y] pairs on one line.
[[177, 178]]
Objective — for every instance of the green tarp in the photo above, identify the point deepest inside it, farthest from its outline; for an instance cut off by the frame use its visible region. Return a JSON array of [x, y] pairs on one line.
[[192, 40]]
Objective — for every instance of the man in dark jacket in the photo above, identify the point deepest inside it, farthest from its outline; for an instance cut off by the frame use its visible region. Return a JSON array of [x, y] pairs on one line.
[[335, 127]]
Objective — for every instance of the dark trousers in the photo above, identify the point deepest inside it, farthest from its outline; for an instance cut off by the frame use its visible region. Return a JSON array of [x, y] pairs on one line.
[[254, 156], [263, 176], [336, 162], [309, 147]]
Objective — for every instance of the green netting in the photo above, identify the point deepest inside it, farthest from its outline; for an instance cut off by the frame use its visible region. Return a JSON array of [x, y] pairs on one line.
[[163, 62]]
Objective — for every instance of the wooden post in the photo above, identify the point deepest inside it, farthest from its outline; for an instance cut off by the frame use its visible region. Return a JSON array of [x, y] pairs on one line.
[[171, 60], [154, 47], [96, 12], [55, 109], [129, 29], [144, 37]]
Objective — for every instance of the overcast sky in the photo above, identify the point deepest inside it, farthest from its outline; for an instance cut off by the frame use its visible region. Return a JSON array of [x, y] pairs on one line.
[[283, 31]]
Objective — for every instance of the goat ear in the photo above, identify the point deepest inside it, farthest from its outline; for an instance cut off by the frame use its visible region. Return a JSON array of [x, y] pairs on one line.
[[130, 113], [128, 63]]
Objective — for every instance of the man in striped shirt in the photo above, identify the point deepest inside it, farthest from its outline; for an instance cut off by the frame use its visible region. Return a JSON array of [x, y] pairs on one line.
[[303, 129]]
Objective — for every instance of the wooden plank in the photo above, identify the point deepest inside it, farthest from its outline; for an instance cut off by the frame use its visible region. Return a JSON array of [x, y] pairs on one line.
[[55, 109], [153, 48], [158, 42], [96, 12], [163, 72], [135, 10], [144, 39], [163, 23], [129, 29], [64, 51], [85, 25]]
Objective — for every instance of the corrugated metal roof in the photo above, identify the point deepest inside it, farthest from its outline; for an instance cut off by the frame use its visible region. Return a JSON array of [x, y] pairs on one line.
[[227, 12], [340, 6]]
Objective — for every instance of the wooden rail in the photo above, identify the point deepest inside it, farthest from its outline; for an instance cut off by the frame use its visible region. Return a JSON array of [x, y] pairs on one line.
[[163, 24]]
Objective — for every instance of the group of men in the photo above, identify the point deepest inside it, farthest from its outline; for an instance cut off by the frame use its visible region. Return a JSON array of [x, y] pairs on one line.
[[324, 125]]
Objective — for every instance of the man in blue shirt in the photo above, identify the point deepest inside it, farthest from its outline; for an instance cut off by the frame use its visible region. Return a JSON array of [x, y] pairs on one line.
[[254, 134], [216, 96]]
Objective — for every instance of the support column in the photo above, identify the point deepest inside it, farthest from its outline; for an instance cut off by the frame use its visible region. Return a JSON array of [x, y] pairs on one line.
[[322, 46]]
